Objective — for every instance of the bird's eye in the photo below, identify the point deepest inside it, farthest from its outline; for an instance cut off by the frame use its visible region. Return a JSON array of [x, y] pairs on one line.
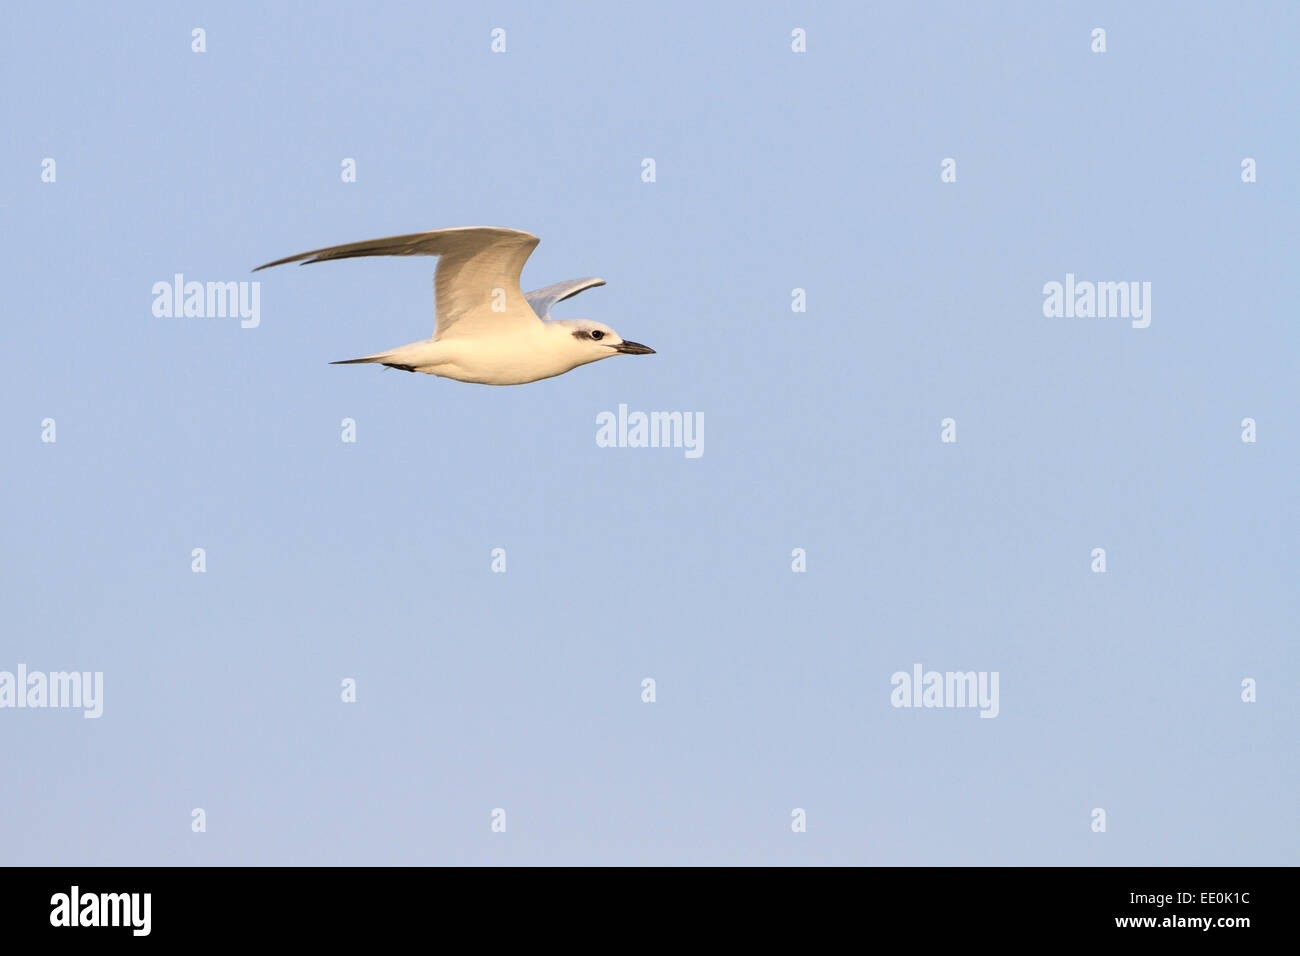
[[597, 335]]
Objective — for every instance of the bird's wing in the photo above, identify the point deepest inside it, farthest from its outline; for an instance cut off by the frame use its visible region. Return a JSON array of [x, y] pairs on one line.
[[477, 279], [542, 299]]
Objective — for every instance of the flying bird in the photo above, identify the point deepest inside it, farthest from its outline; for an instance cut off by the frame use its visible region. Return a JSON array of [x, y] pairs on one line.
[[486, 329]]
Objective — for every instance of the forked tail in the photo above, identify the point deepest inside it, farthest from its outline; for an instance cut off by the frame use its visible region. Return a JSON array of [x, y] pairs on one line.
[[376, 359]]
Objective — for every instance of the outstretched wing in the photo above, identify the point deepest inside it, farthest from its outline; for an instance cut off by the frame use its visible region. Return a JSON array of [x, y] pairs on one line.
[[542, 299], [477, 279]]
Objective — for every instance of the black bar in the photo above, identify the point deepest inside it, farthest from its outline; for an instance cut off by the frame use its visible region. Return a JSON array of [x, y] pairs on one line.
[[238, 904]]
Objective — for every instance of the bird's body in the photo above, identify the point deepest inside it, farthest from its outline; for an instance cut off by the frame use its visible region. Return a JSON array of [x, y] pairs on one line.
[[487, 331], [513, 358]]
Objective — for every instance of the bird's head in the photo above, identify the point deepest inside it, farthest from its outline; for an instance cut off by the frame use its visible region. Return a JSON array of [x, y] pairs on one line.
[[592, 341]]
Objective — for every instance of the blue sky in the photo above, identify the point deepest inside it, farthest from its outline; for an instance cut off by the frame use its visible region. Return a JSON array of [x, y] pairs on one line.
[[521, 690]]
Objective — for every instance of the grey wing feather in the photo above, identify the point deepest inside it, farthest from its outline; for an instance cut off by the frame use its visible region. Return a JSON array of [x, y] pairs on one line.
[[475, 265], [542, 299], [468, 239]]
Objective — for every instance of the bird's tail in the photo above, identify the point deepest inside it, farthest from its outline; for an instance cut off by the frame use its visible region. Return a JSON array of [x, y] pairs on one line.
[[381, 358], [377, 357]]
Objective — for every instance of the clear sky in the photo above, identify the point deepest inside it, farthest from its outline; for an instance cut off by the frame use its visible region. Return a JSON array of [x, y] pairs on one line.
[[774, 171]]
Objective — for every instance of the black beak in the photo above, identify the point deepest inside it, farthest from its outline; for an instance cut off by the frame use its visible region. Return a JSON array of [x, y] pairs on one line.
[[633, 348]]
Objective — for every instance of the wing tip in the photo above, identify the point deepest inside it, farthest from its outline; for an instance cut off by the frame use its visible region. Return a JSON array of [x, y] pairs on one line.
[[284, 262], [350, 250]]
